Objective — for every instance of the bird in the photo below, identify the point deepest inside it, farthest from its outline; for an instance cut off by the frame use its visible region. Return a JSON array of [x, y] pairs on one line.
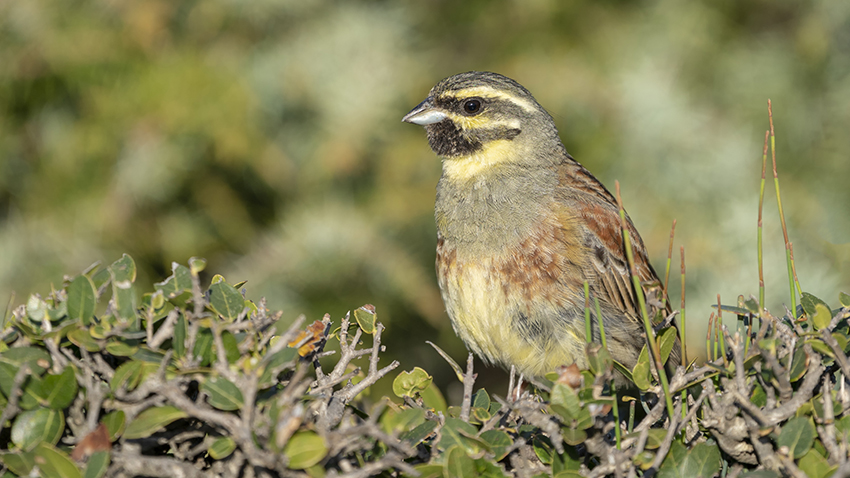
[[521, 226]]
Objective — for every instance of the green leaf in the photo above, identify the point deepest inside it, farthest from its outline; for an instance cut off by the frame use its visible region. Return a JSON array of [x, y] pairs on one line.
[[127, 374], [599, 359], [411, 383], [97, 464], [203, 347], [305, 449], [222, 393], [197, 264], [565, 402], [83, 339], [61, 389], [814, 465], [799, 364], [458, 465], [481, 399], [19, 463], [543, 449], [419, 433], [231, 347], [99, 278], [797, 434], [432, 397], [498, 441], [701, 460], [120, 348], [758, 396], [666, 342], [179, 340], [115, 422], [655, 438], [222, 447], [37, 426], [844, 299], [486, 467], [226, 301], [123, 274], [37, 358], [366, 318], [448, 359], [275, 364], [123, 269], [455, 432], [640, 373], [152, 420], [393, 420], [179, 282], [752, 305], [428, 471], [573, 436], [81, 299], [809, 303], [55, 463], [822, 317], [36, 308]]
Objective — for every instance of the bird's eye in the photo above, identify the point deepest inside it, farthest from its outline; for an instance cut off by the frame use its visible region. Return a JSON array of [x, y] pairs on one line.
[[472, 106]]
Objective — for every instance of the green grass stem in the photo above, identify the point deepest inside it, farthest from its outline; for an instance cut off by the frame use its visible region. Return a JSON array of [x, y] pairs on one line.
[[650, 336], [761, 229], [588, 334], [669, 260], [788, 258]]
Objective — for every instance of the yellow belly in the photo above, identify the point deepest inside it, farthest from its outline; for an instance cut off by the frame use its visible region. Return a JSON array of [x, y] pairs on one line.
[[484, 311]]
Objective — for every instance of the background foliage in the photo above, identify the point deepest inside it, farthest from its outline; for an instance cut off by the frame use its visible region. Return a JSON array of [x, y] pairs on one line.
[[265, 137]]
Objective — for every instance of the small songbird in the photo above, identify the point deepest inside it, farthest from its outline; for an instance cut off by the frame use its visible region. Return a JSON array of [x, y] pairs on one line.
[[521, 226]]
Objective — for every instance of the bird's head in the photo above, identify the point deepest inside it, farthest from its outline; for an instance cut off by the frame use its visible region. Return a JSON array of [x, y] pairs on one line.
[[479, 119]]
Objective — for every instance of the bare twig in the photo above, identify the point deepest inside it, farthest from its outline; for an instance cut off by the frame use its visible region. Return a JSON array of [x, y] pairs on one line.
[[468, 383]]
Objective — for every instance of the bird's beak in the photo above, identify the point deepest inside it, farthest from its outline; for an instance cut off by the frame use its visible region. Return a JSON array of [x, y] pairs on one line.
[[424, 114]]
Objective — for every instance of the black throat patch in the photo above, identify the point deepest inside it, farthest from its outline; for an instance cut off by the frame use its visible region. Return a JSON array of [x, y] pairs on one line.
[[447, 140]]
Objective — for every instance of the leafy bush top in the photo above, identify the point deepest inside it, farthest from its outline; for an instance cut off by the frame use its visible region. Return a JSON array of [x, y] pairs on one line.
[[202, 382]]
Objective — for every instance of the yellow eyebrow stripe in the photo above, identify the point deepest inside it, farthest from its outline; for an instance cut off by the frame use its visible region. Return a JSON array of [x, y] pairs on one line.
[[487, 92]]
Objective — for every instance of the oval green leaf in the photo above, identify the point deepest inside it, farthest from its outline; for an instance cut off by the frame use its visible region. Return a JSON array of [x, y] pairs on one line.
[[366, 318], [178, 282], [55, 463], [458, 465], [666, 343], [226, 301], [305, 449], [152, 420], [222, 393], [38, 359], [37, 426], [60, 389], [498, 441], [115, 422], [222, 447], [640, 373], [81, 299], [797, 434], [97, 464], [83, 339], [19, 463]]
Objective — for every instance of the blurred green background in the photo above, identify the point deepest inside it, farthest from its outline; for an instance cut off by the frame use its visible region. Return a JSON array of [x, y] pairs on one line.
[[266, 137]]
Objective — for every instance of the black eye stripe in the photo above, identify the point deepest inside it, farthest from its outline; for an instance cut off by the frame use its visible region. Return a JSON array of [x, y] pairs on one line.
[[459, 105]]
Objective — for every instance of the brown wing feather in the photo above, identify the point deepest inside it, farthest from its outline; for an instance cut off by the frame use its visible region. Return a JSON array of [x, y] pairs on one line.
[[597, 211]]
